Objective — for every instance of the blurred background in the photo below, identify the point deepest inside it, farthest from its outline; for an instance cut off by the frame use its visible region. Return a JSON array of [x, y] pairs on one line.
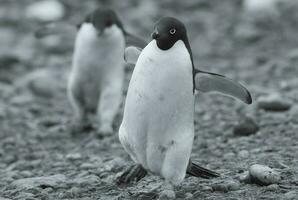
[[252, 41]]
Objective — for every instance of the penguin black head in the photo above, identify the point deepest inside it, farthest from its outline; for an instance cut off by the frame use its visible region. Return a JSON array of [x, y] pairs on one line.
[[103, 18], [167, 31]]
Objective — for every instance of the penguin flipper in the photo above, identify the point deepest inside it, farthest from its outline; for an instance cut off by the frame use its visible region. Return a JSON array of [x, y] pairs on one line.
[[211, 82], [132, 40], [131, 54], [198, 171]]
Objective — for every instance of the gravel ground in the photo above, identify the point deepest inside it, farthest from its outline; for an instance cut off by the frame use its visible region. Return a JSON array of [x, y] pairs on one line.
[[39, 159]]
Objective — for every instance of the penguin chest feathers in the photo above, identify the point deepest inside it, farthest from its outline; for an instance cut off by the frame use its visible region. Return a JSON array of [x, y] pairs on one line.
[[164, 72], [99, 49]]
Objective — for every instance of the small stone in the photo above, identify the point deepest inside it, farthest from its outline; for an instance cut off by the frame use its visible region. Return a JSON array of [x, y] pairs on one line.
[[38, 182], [261, 11], [25, 195], [247, 126], [22, 99], [245, 178], [292, 195], [263, 175], [74, 156], [226, 186], [294, 114], [41, 82], [88, 180], [206, 188], [274, 102], [188, 195], [293, 54], [243, 154], [45, 11], [272, 187], [87, 166], [167, 194], [247, 33]]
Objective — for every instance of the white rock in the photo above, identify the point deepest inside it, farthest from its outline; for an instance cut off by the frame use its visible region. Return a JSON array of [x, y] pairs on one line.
[[41, 82], [292, 195], [47, 10], [74, 156], [131, 54], [226, 186], [257, 5], [167, 194], [263, 175], [243, 154], [261, 10], [36, 182], [2, 198]]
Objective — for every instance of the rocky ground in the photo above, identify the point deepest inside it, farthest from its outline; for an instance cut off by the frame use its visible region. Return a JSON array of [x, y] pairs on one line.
[[39, 159]]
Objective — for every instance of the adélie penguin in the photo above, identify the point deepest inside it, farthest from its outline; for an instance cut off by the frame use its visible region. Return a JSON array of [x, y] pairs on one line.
[[157, 130], [97, 75]]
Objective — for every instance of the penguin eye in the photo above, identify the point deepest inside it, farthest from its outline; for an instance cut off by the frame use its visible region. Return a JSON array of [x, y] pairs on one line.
[[172, 31]]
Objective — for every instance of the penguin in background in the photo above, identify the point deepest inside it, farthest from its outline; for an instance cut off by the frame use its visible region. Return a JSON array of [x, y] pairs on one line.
[[97, 74], [157, 130]]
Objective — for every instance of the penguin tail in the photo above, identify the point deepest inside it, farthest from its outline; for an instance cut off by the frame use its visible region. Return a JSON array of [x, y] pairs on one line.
[[198, 171]]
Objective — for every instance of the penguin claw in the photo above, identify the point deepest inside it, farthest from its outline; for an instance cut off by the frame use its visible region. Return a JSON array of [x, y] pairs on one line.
[[133, 174]]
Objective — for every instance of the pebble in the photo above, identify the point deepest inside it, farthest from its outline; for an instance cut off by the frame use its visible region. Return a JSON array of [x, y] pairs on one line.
[[131, 54], [74, 156], [247, 126], [272, 187], [207, 188], [261, 175], [188, 195], [45, 11], [293, 54], [292, 195], [226, 186], [41, 82], [274, 102], [261, 11], [87, 166], [88, 180], [167, 194], [25, 195], [39, 182], [248, 34], [294, 114], [243, 154]]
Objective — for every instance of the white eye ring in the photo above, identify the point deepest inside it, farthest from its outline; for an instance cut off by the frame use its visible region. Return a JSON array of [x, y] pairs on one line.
[[172, 31]]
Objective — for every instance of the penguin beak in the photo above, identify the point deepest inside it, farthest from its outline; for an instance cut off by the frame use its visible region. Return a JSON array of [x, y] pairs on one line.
[[155, 35]]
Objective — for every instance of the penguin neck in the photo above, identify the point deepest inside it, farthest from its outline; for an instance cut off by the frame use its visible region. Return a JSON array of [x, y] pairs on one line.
[[89, 34]]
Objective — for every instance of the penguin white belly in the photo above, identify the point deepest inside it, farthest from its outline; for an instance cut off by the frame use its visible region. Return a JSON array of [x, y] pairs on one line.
[[97, 61], [157, 128]]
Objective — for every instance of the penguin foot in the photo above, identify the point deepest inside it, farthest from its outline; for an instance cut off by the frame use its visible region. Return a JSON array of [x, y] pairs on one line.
[[105, 130], [76, 127], [198, 171], [132, 174]]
